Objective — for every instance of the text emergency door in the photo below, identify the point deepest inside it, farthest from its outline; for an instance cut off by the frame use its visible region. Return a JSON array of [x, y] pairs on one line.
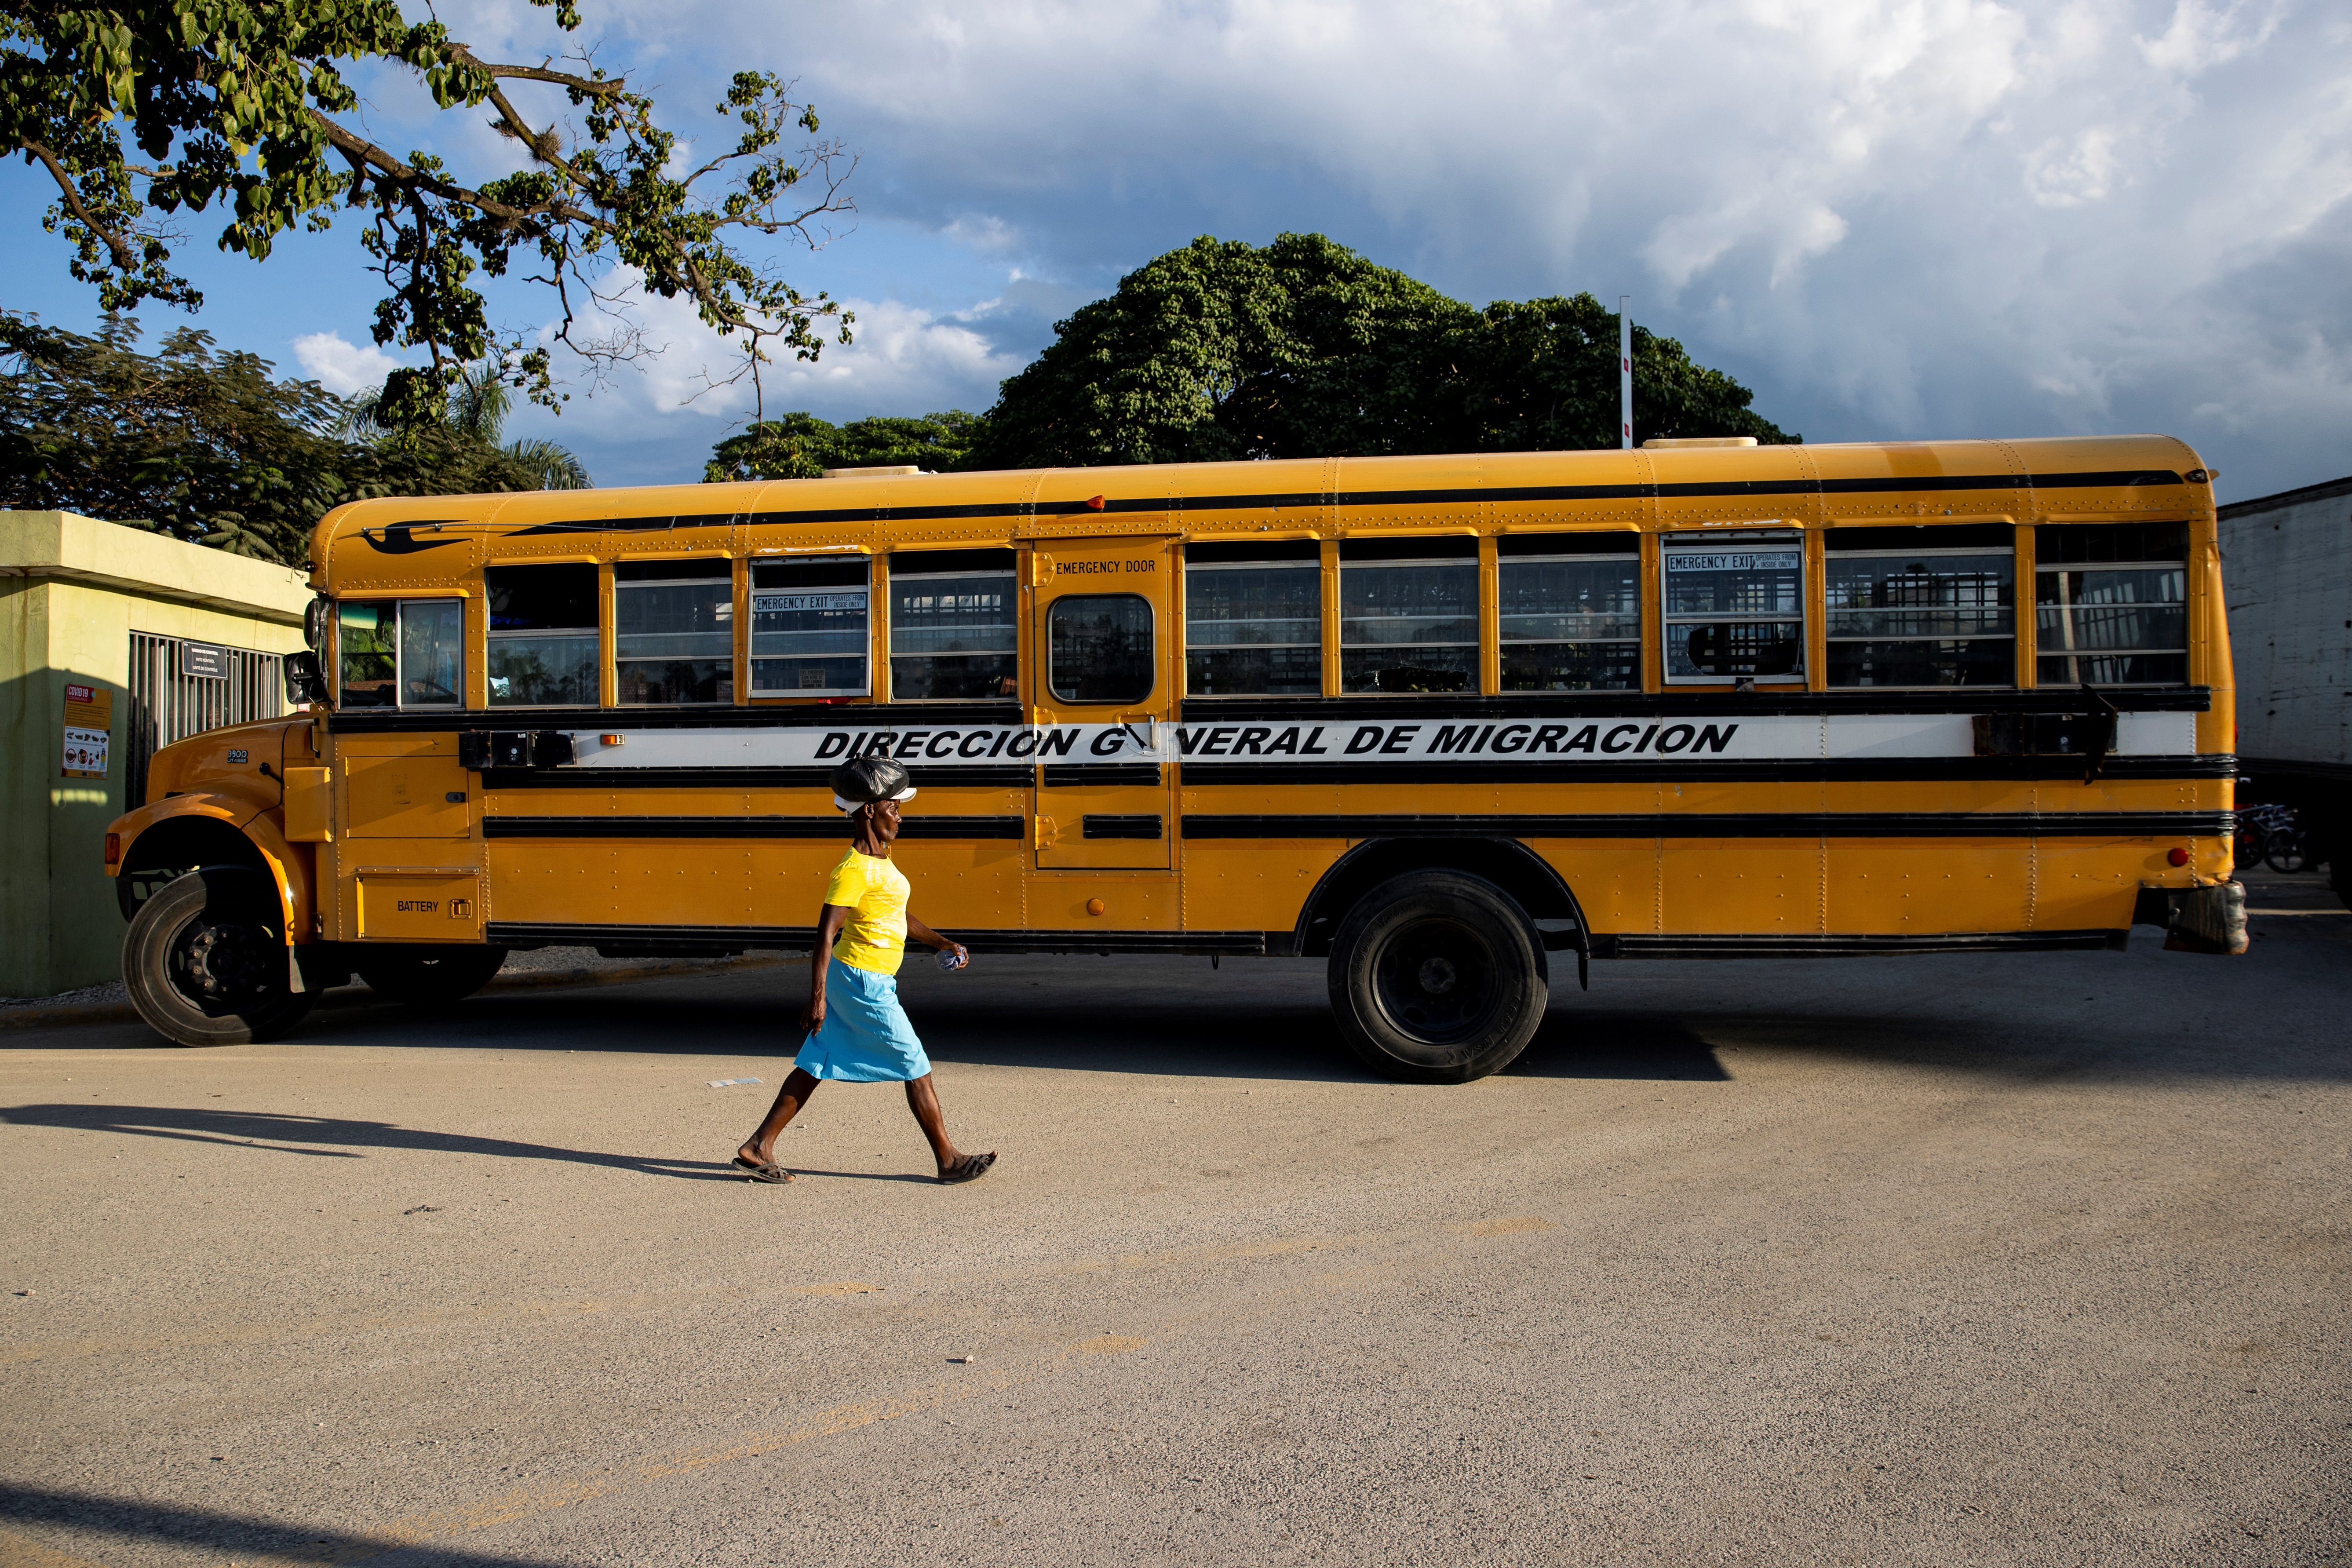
[[1101, 623]]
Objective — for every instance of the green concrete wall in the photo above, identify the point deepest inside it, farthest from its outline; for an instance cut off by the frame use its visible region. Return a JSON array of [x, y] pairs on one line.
[[72, 590]]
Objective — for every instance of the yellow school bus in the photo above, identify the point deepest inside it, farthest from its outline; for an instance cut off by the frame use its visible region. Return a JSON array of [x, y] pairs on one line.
[[1451, 723]]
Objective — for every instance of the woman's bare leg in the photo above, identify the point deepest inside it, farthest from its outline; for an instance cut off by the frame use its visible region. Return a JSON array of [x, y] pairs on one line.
[[924, 1100], [761, 1146]]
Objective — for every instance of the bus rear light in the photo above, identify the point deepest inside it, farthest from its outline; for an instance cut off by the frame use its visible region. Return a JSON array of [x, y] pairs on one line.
[[115, 849], [2177, 855]]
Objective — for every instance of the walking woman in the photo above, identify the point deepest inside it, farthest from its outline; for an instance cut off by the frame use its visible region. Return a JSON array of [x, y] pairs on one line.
[[853, 1029]]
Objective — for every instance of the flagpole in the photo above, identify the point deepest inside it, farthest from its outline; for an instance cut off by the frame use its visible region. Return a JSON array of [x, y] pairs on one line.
[[1625, 372]]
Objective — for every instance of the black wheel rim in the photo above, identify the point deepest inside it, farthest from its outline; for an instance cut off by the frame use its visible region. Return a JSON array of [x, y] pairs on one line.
[[222, 965], [1436, 981]]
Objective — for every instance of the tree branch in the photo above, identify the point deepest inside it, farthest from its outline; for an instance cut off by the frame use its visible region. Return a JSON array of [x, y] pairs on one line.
[[125, 258]]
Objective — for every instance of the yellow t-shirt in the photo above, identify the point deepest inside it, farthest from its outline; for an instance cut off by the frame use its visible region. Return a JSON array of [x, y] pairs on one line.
[[875, 892]]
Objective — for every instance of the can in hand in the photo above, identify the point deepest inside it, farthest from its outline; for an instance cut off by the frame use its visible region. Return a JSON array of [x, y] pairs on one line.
[[951, 961]]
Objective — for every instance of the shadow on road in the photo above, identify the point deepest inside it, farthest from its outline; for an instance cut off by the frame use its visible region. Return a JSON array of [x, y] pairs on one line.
[[1574, 1042], [211, 1529], [2145, 1013], [327, 1137], [1268, 1021]]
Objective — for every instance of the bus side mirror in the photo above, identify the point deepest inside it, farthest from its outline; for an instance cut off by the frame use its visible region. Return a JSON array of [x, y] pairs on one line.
[[304, 683]]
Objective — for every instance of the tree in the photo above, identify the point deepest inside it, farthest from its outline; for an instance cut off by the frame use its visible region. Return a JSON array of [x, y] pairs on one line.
[[800, 446], [205, 446], [477, 406], [140, 109], [1220, 350], [1542, 376]]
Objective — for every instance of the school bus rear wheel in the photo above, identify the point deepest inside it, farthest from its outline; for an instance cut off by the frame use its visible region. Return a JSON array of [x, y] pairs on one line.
[[1437, 978], [206, 961], [428, 974]]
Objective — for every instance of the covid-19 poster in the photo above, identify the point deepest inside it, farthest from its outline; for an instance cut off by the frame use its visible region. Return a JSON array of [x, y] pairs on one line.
[[89, 722]]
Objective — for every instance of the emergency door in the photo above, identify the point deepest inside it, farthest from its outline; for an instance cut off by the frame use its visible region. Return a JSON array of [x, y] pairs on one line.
[[1104, 673]]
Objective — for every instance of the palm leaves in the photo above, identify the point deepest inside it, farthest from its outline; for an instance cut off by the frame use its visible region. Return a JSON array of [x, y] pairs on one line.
[[477, 406]]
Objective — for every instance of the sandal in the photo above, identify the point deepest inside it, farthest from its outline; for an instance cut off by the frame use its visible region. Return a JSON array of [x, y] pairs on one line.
[[772, 1174], [971, 1168]]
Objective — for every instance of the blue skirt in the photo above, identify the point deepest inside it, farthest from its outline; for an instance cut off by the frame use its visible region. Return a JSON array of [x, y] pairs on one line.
[[864, 1037]]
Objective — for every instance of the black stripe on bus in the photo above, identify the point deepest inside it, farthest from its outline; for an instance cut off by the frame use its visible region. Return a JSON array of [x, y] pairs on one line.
[[863, 715], [1461, 495], [1676, 770], [832, 825], [818, 777], [1096, 824], [1726, 825], [899, 717], [1064, 775], [1714, 704], [1833, 945], [1417, 771], [799, 938]]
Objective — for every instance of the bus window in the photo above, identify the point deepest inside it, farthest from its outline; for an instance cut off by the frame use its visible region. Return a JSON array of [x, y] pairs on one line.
[[1253, 620], [402, 653], [952, 632], [1409, 614], [1571, 611], [674, 631], [2111, 604], [1735, 608], [808, 627], [368, 638], [1100, 648], [543, 635], [1922, 606]]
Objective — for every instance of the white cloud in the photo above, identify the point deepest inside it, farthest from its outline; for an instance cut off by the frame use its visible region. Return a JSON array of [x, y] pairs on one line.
[[2064, 175], [1891, 217], [342, 368], [658, 419]]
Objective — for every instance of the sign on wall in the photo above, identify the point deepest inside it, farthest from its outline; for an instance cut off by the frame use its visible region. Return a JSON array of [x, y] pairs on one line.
[[205, 660], [89, 721]]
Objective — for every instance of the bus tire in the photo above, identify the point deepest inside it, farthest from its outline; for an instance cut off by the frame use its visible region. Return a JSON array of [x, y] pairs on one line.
[[207, 963], [427, 975], [1437, 978]]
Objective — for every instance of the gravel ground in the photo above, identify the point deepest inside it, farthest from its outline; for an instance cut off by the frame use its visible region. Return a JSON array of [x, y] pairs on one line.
[[535, 961], [1950, 1260]]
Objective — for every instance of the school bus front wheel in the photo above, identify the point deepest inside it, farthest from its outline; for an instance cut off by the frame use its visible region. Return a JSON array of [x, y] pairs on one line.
[[205, 960], [1438, 977]]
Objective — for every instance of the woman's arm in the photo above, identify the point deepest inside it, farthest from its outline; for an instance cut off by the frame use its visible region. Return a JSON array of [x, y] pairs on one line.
[[932, 939], [829, 920]]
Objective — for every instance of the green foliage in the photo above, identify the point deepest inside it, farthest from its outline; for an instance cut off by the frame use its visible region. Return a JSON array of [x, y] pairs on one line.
[[1542, 376], [800, 446], [205, 446], [476, 408], [142, 109], [1220, 350]]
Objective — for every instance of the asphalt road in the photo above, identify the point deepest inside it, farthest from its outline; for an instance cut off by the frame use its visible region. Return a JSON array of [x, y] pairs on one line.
[[1932, 1260]]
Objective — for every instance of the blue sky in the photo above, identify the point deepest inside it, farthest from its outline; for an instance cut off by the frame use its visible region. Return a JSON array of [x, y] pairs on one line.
[[1892, 218]]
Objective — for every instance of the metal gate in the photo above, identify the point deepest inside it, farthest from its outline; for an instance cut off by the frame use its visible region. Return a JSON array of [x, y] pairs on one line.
[[180, 689]]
